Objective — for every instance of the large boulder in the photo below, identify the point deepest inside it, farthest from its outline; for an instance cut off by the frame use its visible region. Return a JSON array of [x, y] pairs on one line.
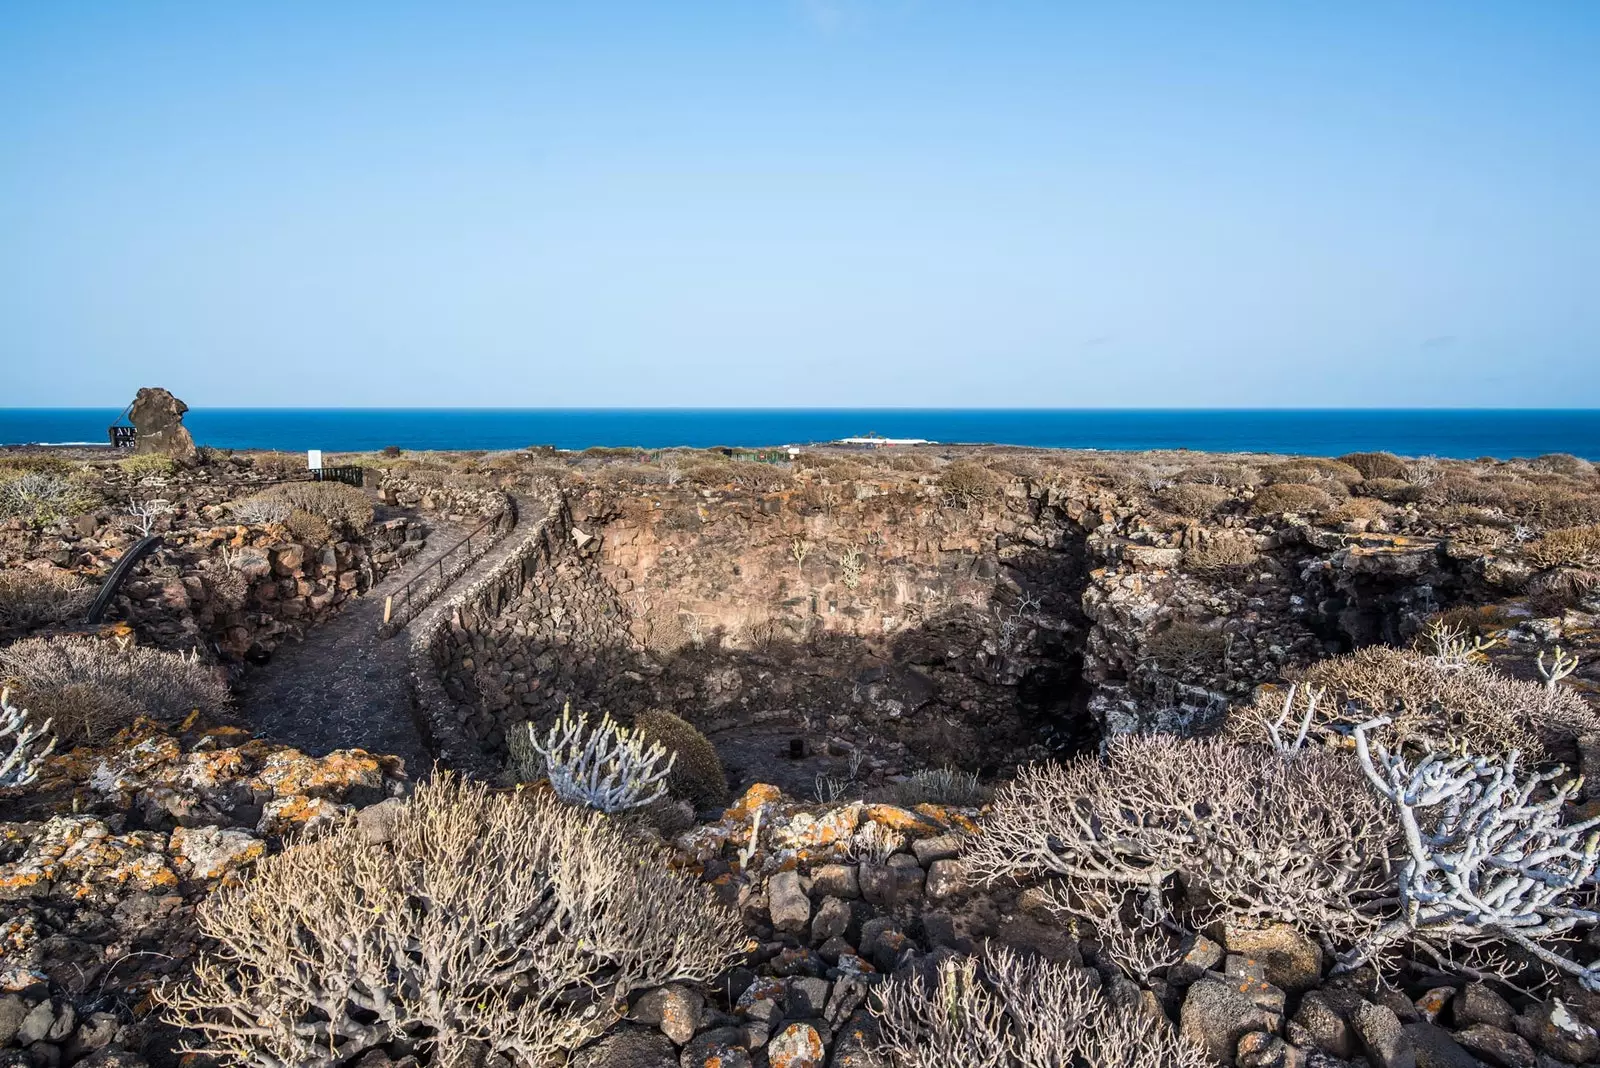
[[158, 417]]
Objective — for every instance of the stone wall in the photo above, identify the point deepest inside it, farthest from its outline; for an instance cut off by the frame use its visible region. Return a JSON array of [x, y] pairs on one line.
[[976, 635]]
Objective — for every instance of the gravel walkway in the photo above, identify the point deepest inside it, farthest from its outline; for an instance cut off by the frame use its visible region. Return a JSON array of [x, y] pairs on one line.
[[343, 687]]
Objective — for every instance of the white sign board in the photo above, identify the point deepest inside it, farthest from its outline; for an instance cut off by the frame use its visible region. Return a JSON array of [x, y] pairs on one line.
[[314, 459]]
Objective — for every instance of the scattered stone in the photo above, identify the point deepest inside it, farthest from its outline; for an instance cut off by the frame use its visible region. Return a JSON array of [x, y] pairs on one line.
[[1260, 1049], [675, 1008], [1498, 1047], [939, 847], [1478, 1003], [1325, 1026], [1216, 1016], [627, 1047], [945, 879], [787, 902], [1381, 1037], [1291, 960], [1553, 1028], [722, 1048], [796, 1046], [13, 1010], [1436, 1049], [831, 921], [836, 880]]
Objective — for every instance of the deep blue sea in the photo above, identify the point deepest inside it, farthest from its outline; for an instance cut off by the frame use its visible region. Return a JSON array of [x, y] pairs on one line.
[[1454, 433]]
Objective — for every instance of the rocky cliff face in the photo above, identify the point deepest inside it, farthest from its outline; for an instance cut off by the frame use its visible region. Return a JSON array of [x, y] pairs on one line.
[[976, 634]]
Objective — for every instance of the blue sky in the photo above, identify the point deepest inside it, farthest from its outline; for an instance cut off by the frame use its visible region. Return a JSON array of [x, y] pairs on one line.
[[781, 202]]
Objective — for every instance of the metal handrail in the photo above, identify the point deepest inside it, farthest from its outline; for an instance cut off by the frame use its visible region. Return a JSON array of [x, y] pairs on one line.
[[119, 574], [402, 597]]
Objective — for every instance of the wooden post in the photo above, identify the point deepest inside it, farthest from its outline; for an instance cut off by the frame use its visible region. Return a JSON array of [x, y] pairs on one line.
[[388, 608]]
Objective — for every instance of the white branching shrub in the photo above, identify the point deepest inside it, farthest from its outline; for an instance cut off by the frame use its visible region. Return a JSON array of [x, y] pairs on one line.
[[1253, 834], [1487, 855], [607, 766], [260, 510], [509, 920], [94, 688], [1012, 1011], [24, 744], [1431, 702]]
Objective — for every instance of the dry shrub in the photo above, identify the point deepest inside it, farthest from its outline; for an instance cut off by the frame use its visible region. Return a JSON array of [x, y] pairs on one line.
[[30, 598], [1249, 834], [509, 920], [1295, 497], [1357, 509], [1394, 490], [941, 786], [1434, 703], [307, 528], [697, 775], [1456, 487], [1020, 1011], [1312, 469], [965, 483], [1376, 464], [1237, 476], [1563, 463], [1566, 547], [1222, 554], [278, 464], [94, 688], [42, 496], [333, 501], [912, 461], [1193, 499], [760, 477], [1559, 507], [1182, 644], [708, 472], [35, 463]]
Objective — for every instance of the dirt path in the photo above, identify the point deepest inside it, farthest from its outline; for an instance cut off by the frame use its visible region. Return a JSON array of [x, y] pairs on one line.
[[344, 687]]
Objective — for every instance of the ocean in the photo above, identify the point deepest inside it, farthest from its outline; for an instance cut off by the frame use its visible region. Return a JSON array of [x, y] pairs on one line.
[[1500, 433]]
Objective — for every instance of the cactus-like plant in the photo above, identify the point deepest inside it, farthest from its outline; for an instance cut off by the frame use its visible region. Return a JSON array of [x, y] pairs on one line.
[[26, 744], [607, 766]]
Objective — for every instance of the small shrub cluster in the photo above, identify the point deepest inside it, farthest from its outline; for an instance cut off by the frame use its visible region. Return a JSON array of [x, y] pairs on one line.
[[1182, 644], [1222, 554], [1566, 547], [1432, 703], [312, 510], [941, 786], [509, 922], [1376, 464], [42, 496], [967, 483], [697, 775], [30, 598], [1332, 474], [1020, 1011], [1292, 497], [1193, 499], [1247, 833], [148, 465], [93, 688]]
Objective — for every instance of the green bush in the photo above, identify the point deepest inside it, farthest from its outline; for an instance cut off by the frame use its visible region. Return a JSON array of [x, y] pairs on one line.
[[149, 465], [41, 497], [697, 775]]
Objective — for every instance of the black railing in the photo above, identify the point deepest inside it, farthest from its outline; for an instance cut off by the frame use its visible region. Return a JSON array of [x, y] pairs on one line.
[[401, 605], [351, 475], [119, 575]]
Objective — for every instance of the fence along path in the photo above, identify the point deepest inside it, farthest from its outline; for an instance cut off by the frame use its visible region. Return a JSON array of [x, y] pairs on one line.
[[344, 686]]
